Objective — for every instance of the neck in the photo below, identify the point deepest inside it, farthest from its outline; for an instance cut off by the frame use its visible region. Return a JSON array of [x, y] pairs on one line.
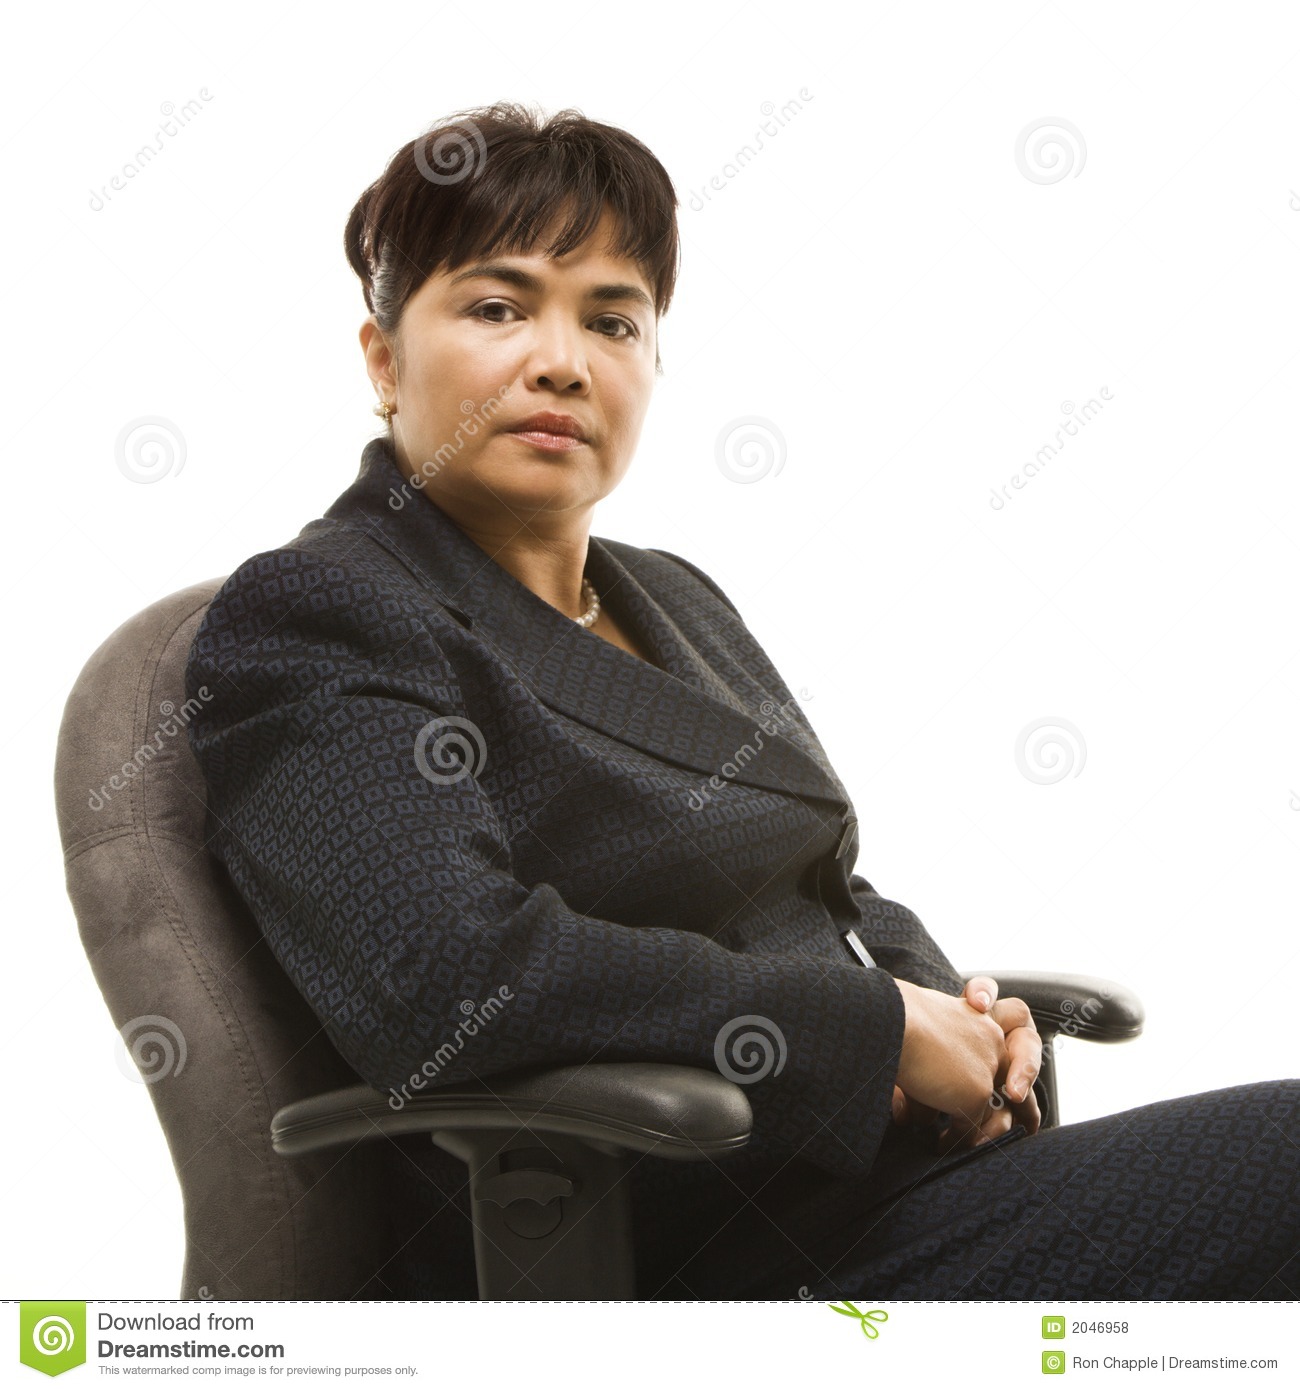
[[546, 550], [550, 564]]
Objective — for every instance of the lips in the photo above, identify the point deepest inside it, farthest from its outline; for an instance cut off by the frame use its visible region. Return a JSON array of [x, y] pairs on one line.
[[546, 422]]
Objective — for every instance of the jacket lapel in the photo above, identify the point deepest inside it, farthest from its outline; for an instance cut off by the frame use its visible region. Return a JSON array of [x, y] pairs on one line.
[[684, 713]]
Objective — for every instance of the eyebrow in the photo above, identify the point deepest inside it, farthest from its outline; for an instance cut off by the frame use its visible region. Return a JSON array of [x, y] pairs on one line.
[[522, 279]]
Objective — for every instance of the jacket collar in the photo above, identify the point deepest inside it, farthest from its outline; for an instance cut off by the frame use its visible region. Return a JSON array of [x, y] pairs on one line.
[[684, 713]]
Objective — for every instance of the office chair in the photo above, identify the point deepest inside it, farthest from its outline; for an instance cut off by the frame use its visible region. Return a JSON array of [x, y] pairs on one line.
[[263, 1117]]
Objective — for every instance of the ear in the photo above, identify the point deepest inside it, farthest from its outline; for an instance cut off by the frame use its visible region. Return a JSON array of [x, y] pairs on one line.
[[379, 357]]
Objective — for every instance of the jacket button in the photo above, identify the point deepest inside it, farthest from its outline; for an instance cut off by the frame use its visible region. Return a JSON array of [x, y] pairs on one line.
[[846, 835]]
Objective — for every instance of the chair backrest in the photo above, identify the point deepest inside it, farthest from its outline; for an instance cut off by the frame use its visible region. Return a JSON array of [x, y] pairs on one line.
[[216, 1027]]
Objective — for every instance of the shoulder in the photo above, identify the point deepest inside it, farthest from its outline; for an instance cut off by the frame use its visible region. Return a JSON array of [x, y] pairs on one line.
[[329, 574], [330, 604]]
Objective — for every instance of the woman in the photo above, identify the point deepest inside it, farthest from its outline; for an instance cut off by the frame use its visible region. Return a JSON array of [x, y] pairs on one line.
[[459, 749]]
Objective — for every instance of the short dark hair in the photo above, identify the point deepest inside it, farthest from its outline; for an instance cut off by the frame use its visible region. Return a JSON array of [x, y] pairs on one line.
[[511, 173]]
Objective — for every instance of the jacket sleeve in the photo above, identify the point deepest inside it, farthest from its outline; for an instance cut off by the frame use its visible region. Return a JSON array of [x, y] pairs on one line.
[[387, 895], [899, 943]]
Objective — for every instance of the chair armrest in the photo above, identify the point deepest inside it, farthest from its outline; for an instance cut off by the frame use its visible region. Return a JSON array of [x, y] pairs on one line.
[[680, 1112], [1090, 1007]]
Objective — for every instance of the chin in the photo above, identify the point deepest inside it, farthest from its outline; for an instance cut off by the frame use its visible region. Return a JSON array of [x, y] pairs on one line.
[[525, 469]]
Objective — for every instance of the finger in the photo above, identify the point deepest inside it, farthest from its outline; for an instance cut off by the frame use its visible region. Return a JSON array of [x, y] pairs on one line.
[[1012, 1013], [1024, 1062], [1023, 1111], [956, 1136], [1028, 1114], [965, 1130], [981, 992], [997, 1124], [960, 1136]]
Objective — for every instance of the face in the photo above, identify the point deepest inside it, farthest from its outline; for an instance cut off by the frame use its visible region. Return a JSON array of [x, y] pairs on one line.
[[574, 336]]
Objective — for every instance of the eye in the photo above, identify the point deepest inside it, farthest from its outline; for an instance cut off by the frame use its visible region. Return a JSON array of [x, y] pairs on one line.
[[491, 304], [623, 323]]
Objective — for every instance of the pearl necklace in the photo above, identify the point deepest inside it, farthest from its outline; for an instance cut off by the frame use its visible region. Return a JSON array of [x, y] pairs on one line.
[[588, 592]]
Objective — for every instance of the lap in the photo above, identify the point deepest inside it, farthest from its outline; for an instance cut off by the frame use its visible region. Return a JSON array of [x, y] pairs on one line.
[[1192, 1197]]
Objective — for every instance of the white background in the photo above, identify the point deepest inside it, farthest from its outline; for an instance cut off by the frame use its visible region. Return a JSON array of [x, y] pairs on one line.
[[883, 283]]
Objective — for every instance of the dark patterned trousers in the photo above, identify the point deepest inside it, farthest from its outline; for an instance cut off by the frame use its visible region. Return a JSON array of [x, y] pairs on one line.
[[1192, 1198]]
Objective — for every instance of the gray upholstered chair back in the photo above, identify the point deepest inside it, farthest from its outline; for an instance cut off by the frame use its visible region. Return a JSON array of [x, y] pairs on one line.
[[215, 1026]]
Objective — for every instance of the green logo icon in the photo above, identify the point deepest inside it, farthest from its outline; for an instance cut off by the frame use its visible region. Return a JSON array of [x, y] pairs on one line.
[[1053, 1326], [865, 1320], [52, 1336], [1053, 1363]]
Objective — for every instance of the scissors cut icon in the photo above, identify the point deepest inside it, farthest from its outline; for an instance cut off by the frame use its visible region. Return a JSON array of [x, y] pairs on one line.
[[866, 1320]]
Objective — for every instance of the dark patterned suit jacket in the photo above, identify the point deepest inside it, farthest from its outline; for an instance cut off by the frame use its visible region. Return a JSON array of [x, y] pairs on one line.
[[478, 836]]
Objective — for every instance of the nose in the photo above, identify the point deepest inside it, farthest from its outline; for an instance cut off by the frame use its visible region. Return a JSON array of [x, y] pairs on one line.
[[557, 357]]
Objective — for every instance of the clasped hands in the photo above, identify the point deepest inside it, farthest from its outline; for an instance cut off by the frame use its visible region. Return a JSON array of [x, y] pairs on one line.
[[972, 1056]]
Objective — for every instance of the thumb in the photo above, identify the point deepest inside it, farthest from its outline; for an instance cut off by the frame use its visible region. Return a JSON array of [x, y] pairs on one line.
[[981, 992], [899, 1106]]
